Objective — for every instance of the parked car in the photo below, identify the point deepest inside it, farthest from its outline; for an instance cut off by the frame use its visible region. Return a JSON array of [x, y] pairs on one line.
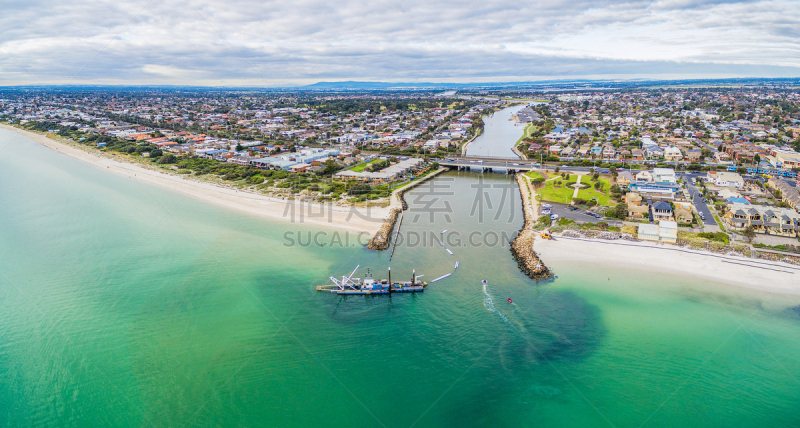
[[554, 216], [546, 211], [572, 208], [596, 215], [547, 206]]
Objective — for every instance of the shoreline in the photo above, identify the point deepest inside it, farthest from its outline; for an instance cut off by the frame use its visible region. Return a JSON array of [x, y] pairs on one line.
[[753, 274], [351, 219]]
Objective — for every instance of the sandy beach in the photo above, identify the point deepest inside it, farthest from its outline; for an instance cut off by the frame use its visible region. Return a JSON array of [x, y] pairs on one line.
[[359, 220], [731, 270]]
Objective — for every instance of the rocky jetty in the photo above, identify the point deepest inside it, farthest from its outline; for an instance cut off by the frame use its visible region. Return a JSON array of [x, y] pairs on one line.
[[383, 238], [522, 246]]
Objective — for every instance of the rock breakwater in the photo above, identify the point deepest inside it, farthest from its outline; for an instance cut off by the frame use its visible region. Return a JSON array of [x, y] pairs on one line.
[[522, 246]]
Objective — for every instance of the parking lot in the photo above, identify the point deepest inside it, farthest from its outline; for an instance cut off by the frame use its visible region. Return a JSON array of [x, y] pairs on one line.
[[580, 215]]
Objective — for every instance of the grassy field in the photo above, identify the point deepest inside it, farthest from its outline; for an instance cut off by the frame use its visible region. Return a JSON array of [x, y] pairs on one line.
[[553, 192], [602, 196], [562, 193], [360, 167], [529, 129], [533, 175]]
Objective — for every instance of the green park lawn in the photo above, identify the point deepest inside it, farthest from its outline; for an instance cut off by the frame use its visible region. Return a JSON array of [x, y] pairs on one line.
[[360, 167], [533, 175], [552, 192], [602, 196]]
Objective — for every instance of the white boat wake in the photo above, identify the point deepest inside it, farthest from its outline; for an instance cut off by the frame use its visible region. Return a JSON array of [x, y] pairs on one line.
[[488, 301]]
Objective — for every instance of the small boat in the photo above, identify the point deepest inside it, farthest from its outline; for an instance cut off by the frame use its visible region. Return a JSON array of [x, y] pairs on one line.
[[484, 282], [456, 267], [448, 250], [509, 300]]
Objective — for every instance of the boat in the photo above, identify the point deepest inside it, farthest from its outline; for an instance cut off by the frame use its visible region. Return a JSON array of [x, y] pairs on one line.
[[509, 300], [349, 285], [484, 282]]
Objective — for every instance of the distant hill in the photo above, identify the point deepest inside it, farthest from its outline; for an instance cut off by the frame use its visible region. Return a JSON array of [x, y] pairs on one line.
[[383, 85]]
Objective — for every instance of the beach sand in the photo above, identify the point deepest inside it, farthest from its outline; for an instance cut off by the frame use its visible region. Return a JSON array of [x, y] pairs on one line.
[[358, 220], [753, 274]]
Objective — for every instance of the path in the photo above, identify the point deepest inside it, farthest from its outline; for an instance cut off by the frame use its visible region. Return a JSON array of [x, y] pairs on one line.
[[577, 187]]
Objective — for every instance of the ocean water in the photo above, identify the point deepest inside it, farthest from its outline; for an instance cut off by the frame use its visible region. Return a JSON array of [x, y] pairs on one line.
[[123, 304]]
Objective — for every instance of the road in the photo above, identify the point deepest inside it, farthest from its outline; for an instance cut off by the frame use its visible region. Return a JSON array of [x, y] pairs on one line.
[[697, 200]]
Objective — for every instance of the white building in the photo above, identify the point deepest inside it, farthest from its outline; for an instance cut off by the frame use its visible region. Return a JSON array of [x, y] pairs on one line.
[[664, 175], [664, 231], [725, 179]]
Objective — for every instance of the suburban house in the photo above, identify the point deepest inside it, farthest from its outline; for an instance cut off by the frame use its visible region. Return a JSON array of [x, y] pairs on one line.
[[683, 212], [644, 176], [609, 152], [672, 154], [789, 194], [635, 207], [662, 210], [763, 219], [624, 178], [694, 155], [722, 157]]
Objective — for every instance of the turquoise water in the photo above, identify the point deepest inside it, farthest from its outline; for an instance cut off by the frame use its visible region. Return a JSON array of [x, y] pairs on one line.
[[123, 304]]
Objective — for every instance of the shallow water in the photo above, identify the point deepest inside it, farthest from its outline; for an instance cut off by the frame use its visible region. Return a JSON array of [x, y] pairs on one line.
[[123, 304]]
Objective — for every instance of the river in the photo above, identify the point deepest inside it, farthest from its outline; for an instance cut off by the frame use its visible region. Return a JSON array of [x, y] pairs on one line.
[[500, 133], [123, 304]]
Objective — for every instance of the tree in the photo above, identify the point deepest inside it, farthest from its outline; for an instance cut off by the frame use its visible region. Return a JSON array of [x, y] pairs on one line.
[[620, 210], [757, 158], [749, 232], [239, 147]]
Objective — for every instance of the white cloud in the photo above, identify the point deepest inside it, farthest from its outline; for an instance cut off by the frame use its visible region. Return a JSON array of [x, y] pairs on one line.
[[266, 43]]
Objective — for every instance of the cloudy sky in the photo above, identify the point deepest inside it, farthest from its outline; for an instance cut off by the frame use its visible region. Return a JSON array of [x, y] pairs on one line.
[[290, 42]]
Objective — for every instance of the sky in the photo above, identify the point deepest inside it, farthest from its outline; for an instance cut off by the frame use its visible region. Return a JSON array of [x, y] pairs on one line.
[[297, 42]]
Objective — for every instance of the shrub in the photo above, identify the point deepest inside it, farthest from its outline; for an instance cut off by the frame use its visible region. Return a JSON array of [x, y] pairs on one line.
[[167, 159]]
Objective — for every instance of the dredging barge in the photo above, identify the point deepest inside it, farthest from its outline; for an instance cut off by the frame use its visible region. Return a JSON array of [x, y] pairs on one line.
[[349, 285]]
